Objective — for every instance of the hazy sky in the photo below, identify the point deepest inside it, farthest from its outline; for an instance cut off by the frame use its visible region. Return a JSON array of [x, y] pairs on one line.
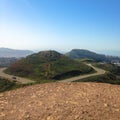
[[60, 24]]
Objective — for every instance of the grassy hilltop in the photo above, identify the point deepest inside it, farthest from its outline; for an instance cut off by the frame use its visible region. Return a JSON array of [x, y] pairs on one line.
[[48, 65]]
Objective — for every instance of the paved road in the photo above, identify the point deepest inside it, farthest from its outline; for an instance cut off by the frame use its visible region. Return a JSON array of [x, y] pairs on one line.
[[10, 77], [98, 72]]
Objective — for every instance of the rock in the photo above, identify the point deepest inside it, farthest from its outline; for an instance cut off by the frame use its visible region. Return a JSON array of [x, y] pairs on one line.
[[105, 105]]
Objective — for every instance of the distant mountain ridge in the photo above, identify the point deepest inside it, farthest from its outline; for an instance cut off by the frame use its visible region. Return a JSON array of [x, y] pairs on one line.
[[81, 53], [7, 52]]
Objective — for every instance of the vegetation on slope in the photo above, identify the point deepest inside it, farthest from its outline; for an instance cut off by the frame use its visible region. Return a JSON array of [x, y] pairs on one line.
[[6, 85], [106, 78], [112, 75], [109, 67], [48, 65]]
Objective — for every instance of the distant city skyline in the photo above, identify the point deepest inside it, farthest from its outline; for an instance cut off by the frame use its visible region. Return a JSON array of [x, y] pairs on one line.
[[61, 25]]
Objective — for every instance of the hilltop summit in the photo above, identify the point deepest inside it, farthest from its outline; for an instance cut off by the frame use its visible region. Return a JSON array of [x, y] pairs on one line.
[[49, 55], [48, 65]]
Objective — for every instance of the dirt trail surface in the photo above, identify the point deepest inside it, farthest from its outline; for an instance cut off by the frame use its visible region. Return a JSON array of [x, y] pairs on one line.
[[98, 72], [10, 77], [62, 101]]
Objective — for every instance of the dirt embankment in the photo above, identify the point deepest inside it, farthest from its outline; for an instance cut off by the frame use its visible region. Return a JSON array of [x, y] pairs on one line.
[[62, 101]]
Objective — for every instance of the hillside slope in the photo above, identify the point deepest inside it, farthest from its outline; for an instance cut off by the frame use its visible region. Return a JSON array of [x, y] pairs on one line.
[[48, 65], [62, 101]]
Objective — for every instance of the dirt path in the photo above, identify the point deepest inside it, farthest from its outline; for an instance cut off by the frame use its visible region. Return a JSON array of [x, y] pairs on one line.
[[10, 77], [98, 72]]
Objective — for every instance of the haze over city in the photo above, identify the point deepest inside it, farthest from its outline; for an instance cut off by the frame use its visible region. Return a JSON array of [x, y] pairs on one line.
[[61, 25]]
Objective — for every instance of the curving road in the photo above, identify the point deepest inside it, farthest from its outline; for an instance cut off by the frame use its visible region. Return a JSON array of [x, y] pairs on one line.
[[10, 77], [98, 72], [25, 80]]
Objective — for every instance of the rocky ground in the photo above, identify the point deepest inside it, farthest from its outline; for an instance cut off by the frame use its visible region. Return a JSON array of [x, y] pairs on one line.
[[62, 101]]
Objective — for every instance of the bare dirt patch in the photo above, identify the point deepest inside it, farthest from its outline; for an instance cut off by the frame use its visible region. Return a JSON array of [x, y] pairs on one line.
[[62, 101]]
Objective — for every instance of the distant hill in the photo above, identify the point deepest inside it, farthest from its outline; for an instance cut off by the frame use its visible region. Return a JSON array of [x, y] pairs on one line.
[[82, 54], [5, 62], [48, 65], [7, 52]]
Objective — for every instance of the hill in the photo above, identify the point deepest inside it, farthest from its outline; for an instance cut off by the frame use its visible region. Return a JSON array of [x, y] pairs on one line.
[[4, 62], [62, 101], [48, 65], [7, 52], [83, 54]]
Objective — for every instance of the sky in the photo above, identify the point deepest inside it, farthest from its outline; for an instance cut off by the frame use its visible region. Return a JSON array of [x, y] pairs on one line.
[[60, 25]]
